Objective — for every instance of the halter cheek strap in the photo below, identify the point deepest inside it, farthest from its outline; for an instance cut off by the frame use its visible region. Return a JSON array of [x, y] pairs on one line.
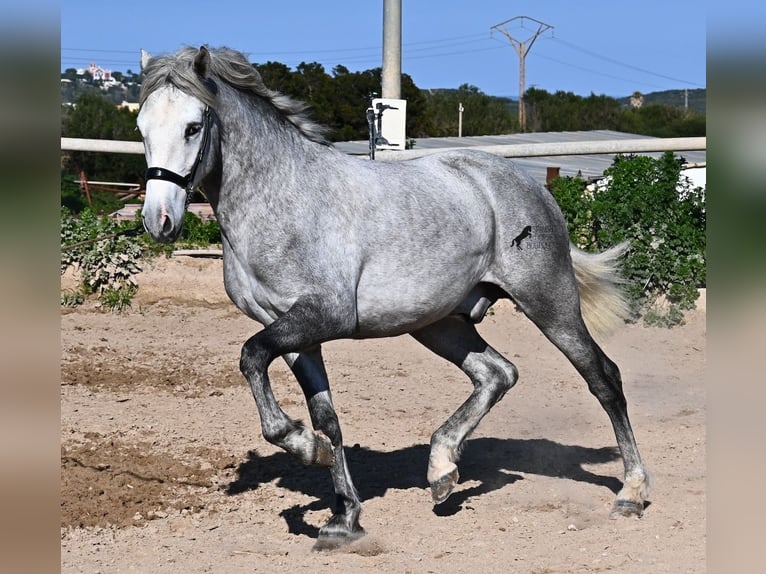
[[187, 181]]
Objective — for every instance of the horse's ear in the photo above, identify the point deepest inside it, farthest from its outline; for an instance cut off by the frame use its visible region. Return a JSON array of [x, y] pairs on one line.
[[145, 57], [201, 62]]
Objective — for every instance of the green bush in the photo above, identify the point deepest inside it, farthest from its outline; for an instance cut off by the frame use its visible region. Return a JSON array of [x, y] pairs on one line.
[[107, 266], [199, 233], [649, 204]]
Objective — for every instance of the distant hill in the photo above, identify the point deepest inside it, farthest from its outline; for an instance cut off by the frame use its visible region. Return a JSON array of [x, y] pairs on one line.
[[697, 99]]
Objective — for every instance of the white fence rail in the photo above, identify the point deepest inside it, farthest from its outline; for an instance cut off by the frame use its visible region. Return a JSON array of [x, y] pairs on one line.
[[643, 145], [107, 146]]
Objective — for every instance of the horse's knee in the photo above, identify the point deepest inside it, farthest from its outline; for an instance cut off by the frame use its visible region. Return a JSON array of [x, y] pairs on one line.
[[254, 358]]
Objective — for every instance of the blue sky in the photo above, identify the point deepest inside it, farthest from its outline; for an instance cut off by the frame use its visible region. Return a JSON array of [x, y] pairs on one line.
[[612, 48]]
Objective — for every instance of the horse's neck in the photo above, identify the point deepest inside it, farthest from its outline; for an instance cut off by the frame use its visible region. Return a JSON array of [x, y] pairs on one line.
[[260, 157]]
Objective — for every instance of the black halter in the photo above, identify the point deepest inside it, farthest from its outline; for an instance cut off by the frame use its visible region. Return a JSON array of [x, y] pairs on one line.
[[186, 182]]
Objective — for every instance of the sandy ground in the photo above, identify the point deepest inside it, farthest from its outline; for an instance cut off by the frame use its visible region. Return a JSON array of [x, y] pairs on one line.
[[163, 468]]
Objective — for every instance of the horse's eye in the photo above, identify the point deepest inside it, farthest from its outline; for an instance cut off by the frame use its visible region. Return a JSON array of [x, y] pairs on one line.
[[192, 129]]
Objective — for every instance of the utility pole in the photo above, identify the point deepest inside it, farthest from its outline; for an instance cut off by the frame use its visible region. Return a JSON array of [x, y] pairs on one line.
[[460, 110], [522, 48], [392, 49]]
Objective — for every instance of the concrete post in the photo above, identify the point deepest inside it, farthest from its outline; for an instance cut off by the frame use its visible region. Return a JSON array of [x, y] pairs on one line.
[[392, 49]]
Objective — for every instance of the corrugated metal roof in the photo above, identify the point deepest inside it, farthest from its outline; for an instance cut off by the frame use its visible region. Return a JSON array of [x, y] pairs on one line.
[[589, 166]]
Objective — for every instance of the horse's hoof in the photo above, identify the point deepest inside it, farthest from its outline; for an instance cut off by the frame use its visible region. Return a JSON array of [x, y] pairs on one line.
[[324, 455], [335, 534], [626, 508], [443, 487], [327, 542]]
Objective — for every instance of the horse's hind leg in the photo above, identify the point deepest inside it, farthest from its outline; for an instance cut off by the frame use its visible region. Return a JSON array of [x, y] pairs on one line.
[[555, 311], [491, 374]]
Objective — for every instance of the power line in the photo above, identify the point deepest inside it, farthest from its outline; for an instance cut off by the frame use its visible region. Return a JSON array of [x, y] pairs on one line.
[[477, 36], [604, 74], [452, 53], [597, 72], [454, 44], [372, 58], [450, 41], [619, 63]]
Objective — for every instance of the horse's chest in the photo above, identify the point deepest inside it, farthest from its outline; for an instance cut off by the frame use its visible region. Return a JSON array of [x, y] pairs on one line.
[[251, 296]]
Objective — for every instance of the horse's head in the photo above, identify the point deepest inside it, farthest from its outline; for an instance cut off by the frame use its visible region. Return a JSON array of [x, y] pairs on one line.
[[175, 127]]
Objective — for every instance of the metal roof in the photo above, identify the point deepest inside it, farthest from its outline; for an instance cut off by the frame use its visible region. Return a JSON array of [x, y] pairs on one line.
[[589, 166]]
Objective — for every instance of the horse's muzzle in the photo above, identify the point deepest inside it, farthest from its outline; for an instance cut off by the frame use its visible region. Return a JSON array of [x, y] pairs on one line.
[[165, 231], [163, 211]]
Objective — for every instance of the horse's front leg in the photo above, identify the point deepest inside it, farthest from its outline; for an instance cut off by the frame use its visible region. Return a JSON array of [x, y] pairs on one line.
[[343, 526], [310, 321], [278, 428]]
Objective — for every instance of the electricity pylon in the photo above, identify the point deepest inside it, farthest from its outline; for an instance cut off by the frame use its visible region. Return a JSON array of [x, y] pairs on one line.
[[522, 48]]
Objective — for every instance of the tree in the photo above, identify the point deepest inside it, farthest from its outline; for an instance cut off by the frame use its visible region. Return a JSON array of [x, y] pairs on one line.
[[484, 115], [276, 76], [93, 116], [351, 97], [661, 120], [419, 121], [566, 111], [648, 203], [69, 74], [339, 100]]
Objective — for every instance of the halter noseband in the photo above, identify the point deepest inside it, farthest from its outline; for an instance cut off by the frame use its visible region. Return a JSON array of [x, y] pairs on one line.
[[186, 182]]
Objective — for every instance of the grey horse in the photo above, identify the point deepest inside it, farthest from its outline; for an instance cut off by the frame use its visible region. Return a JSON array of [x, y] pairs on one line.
[[319, 246]]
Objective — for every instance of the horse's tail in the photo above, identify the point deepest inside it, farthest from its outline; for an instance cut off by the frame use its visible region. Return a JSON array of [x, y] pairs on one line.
[[602, 301]]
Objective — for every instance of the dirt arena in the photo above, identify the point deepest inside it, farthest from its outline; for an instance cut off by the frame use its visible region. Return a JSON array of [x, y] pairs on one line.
[[163, 468]]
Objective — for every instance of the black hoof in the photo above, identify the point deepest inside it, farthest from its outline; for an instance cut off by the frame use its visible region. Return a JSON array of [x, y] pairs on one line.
[[443, 487], [337, 533], [626, 508]]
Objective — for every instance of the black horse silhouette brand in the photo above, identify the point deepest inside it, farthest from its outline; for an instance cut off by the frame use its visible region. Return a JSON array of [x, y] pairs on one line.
[[526, 232]]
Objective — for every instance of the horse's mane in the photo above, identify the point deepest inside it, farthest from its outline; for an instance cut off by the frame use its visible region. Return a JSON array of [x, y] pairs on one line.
[[233, 68]]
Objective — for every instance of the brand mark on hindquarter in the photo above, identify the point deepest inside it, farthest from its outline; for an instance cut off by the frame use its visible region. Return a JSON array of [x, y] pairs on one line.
[[526, 232]]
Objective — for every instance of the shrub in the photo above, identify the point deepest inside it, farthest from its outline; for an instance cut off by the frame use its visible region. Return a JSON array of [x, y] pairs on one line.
[[648, 203], [107, 266], [199, 233]]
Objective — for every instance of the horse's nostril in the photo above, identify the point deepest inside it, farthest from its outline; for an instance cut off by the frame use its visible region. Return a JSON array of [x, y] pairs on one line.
[[167, 225]]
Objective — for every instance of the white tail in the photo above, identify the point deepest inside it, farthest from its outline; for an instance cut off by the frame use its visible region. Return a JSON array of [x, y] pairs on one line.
[[602, 302]]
